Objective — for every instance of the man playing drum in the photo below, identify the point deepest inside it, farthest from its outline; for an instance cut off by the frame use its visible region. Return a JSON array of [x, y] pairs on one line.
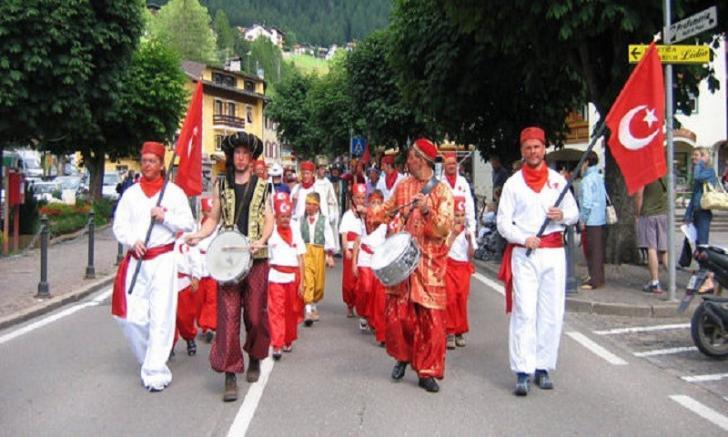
[[350, 230], [246, 196], [538, 280], [147, 315], [415, 309]]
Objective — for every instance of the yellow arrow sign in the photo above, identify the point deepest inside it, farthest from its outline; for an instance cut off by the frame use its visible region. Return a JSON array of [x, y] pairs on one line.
[[672, 54]]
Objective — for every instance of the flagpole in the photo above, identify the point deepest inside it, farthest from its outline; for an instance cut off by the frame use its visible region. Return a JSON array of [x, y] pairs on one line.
[[598, 131], [670, 164]]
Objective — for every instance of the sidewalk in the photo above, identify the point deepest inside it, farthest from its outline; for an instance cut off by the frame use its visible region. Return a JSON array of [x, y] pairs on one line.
[[67, 262]]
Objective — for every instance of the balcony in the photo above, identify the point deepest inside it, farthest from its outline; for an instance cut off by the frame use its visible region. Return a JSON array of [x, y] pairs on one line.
[[228, 120]]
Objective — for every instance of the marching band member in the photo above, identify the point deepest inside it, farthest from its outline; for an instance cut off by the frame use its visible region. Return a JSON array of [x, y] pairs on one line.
[[460, 187], [391, 177], [538, 280], [457, 280], [319, 238], [350, 230], [147, 314], [285, 285], [301, 190], [329, 202], [371, 290], [189, 273], [207, 288]]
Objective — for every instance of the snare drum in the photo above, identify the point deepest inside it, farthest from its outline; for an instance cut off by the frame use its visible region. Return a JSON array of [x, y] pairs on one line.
[[228, 258], [396, 259]]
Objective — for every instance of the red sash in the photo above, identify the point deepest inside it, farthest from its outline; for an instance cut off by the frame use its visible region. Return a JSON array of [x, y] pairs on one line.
[[118, 298], [465, 265], [367, 249], [285, 269], [505, 274]]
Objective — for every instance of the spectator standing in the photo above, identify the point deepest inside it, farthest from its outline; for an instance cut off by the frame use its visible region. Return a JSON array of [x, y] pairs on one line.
[[500, 173], [650, 206], [592, 218], [703, 173]]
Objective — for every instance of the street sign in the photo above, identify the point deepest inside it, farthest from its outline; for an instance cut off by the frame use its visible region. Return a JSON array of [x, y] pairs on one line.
[[692, 25], [357, 146], [672, 54]]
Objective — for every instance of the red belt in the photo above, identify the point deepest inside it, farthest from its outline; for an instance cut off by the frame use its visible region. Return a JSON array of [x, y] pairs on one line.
[[118, 298], [367, 249], [553, 240], [285, 269]]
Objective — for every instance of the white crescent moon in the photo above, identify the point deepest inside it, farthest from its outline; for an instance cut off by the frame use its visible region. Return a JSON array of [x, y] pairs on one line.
[[625, 135]]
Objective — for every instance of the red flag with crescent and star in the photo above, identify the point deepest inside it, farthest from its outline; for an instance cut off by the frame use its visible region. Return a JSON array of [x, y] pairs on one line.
[[189, 147], [636, 121]]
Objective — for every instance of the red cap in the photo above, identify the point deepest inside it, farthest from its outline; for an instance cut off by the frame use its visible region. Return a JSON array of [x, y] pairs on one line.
[[388, 159], [426, 148], [206, 204], [154, 148], [450, 157], [533, 133], [459, 202], [308, 165], [359, 189], [282, 203]]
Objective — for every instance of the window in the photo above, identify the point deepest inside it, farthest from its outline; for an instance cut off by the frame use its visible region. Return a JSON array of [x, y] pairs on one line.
[[223, 79], [249, 113], [218, 142], [249, 85], [217, 109], [231, 109]]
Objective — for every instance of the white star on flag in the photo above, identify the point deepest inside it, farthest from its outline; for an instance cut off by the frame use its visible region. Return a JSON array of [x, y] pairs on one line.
[[650, 117]]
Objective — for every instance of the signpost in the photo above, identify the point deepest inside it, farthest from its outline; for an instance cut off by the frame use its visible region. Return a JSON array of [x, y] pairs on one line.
[[672, 54], [691, 26], [357, 146]]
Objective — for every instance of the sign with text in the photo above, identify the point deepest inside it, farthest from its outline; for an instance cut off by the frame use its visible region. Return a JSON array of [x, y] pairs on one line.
[[672, 54], [693, 25], [357, 146]]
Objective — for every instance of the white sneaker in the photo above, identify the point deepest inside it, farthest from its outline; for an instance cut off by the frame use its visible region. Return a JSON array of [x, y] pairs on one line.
[[363, 325]]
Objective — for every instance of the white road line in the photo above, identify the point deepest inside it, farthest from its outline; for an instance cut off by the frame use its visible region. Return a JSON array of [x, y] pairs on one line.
[[701, 410], [45, 321], [642, 329], [103, 296], [250, 403], [704, 378], [596, 349], [490, 283], [672, 350]]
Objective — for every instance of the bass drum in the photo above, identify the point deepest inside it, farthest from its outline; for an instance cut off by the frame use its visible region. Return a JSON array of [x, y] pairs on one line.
[[396, 259], [228, 258]]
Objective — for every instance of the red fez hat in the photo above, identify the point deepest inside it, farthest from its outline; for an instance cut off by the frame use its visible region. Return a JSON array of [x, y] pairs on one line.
[[359, 189], [282, 203], [388, 159], [154, 148], [206, 204], [426, 148], [533, 133], [450, 156], [459, 202], [308, 165]]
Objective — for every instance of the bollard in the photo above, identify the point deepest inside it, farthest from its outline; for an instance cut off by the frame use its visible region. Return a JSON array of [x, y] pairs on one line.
[[119, 253], [43, 291], [570, 261], [90, 269]]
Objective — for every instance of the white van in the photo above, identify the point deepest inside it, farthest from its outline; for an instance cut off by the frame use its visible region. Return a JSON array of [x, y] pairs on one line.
[[27, 161]]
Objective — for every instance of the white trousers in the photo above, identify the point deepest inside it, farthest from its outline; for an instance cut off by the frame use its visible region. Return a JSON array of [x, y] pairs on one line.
[[151, 312], [538, 308]]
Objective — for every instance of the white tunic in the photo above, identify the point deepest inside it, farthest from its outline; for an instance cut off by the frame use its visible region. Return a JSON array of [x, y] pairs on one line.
[[190, 263], [281, 253], [459, 248], [462, 189], [373, 240], [382, 185], [350, 222], [329, 205]]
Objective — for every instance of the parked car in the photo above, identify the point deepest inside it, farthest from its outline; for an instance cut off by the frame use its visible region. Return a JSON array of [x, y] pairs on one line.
[[72, 184], [108, 190], [47, 190]]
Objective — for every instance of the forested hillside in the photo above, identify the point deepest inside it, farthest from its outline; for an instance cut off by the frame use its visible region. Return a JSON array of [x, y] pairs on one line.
[[319, 22]]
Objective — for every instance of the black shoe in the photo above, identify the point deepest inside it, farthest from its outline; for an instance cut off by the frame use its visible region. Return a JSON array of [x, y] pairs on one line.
[[209, 335], [276, 354], [398, 371], [542, 379], [429, 384], [171, 355], [253, 370], [154, 389], [308, 323], [231, 388], [191, 348]]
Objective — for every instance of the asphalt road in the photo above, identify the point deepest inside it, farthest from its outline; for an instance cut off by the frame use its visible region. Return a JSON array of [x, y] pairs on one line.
[[71, 373]]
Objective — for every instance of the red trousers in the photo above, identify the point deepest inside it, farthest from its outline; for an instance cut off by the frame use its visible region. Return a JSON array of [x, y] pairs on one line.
[[285, 312], [416, 335], [377, 303], [457, 287], [250, 295], [348, 284], [207, 304], [186, 312], [364, 285]]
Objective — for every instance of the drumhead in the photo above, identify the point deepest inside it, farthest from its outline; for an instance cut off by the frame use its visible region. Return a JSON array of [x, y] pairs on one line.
[[228, 257], [390, 250]]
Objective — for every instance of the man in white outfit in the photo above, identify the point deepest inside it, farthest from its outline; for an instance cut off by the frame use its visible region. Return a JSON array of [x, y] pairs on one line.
[[388, 182], [460, 188], [538, 280], [147, 312], [326, 190]]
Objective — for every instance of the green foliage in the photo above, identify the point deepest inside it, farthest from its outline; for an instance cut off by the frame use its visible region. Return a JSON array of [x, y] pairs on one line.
[[103, 210], [290, 108], [64, 219], [331, 110], [268, 57], [226, 35], [309, 64], [184, 25]]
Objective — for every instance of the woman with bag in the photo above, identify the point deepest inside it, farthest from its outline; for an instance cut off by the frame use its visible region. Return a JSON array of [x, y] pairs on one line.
[[703, 173], [592, 219]]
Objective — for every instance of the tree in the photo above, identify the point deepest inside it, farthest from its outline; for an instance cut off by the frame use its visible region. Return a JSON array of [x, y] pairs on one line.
[[290, 109], [331, 109], [266, 56], [226, 35], [184, 25]]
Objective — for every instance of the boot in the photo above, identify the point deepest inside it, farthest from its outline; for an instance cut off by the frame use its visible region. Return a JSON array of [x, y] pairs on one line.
[[231, 388], [459, 340], [191, 347], [398, 370], [521, 384], [543, 380], [253, 370], [429, 384]]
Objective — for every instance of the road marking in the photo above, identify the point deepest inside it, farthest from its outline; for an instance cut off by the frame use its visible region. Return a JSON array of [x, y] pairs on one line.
[[596, 349], [250, 403], [704, 378], [672, 350], [42, 322], [102, 297], [701, 410], [490, 283], [642, 329]]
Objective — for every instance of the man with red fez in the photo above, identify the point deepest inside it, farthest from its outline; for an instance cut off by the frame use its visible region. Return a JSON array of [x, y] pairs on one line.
[[391, 177], [459, 270], [285, 280], [207, 288], [415, 310], [147, 314], [460, 188], [350, 230], [303, 189], [329, 202], [534, 284], [248, 210]]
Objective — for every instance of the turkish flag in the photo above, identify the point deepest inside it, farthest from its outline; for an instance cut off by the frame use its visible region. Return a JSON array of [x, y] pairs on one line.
[[366, 156], [189, 147], [636, 121]]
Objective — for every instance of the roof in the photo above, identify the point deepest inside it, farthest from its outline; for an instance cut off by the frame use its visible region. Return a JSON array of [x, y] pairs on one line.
[[195, 69]]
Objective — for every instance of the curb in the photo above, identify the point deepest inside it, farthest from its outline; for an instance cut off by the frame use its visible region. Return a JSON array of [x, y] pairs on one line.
[[55, 302], [576, 305]]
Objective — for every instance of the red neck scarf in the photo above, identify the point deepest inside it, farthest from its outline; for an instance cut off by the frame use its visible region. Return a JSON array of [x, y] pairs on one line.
[[286, 234], [152, 187], [307, 185], [451, 179], [535, 177], [390, 179]]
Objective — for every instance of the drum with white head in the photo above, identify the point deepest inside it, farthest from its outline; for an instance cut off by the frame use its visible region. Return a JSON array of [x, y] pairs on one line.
[[228, 258], [395, 259]]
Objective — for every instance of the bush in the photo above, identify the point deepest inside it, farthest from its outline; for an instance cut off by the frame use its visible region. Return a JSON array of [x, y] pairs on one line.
[[64, 219], [103, 209]]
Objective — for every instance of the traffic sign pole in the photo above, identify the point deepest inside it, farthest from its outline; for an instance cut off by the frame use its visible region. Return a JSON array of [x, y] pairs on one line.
[[670, 170]]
